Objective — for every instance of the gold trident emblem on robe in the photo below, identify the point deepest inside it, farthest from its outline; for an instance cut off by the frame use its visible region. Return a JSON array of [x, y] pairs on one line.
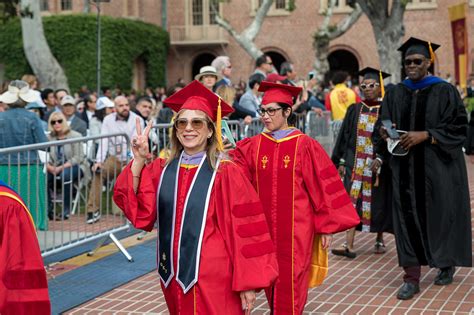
[[264, 161], [286, 160]]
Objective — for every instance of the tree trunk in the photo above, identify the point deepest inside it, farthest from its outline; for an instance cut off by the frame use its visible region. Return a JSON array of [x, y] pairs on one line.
[[44, 64], [247, 37], [321, 63], [388, 41], [389, 30]]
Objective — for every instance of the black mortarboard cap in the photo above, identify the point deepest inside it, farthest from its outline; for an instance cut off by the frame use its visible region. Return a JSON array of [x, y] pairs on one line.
[[371, 73], [418, 46]]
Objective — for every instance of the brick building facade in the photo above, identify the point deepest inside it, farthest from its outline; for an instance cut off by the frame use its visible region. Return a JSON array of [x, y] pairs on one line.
[[195, 40]]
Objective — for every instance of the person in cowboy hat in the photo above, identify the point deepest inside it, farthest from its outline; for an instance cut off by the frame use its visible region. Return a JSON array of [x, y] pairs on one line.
[[18, 126], [208, 76]]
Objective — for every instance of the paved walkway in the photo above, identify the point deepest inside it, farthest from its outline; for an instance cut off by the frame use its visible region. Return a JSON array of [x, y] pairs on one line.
[[365, 285]]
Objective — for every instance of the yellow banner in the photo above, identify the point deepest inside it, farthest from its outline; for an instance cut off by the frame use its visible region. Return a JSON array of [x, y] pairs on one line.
[[457, 12]]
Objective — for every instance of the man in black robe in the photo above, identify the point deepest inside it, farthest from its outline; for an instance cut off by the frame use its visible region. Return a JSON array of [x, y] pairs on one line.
[[431, 210]]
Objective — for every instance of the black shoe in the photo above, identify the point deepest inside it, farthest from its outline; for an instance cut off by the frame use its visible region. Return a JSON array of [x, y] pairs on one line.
[[445, 276], [344, 252], [408, 291], [93, 217]]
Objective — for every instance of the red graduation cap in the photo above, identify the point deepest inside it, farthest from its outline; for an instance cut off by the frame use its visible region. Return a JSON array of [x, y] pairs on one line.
[[278, 93], [196, 96]]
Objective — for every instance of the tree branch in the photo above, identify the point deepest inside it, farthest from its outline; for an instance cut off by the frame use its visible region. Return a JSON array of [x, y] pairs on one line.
[[346, 23], [254, 28], [398, 10], [226, 25], [328, 15]]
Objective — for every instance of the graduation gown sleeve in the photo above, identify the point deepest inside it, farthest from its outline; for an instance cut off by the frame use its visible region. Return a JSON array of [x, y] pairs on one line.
[[451, 129], [243, 154], [23, 284], [139, 208], [343, 143], [243, 226], [333, 210]]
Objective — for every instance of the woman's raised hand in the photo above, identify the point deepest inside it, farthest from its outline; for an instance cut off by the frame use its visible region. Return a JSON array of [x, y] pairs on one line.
[[140, 148]]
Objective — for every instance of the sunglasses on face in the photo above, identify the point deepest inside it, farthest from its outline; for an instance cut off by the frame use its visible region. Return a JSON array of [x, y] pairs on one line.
[[415, 61], [364, 86], [196, 123], [270, 111], [54, 122]]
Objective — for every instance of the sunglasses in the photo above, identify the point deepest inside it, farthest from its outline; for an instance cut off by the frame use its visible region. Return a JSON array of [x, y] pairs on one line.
[[364, 86], [196, 123], [270, 111], [415, 61], [59, 121]]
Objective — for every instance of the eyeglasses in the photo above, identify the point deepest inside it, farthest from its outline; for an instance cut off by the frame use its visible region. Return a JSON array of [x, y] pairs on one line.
[[416, 61], [364, 86], [59, 121], [269, 63], [270, 111], [196, 123]]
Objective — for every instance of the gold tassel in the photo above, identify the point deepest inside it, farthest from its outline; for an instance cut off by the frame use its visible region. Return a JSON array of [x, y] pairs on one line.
[[382, 87], [432, 54], [220, 145]]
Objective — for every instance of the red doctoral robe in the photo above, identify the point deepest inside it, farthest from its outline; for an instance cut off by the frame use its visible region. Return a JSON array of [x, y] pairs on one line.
[[23, 284], [302, 195], [237, 252]]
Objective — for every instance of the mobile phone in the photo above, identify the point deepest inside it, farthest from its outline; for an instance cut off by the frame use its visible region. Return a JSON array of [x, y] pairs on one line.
[[226, 134], [392, 132]]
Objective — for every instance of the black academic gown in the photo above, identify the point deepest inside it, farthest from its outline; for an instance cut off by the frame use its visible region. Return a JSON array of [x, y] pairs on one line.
[[345, 148], [469, 144], [431, 210]]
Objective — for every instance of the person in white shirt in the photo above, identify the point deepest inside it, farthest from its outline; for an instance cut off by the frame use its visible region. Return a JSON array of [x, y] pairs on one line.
[[112, 153]]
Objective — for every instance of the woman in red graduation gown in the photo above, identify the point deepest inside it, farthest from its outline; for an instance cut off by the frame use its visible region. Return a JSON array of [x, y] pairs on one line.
[[214, 246], [302, 196]]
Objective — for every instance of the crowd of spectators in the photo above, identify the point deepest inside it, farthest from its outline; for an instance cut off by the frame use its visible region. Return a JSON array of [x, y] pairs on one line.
[[60, 114]]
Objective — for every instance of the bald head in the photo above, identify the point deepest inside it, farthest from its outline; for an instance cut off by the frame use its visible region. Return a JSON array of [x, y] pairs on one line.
[[122, 108]]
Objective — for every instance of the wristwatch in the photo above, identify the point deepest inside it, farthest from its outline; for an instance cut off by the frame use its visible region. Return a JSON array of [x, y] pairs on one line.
[[431, 139]]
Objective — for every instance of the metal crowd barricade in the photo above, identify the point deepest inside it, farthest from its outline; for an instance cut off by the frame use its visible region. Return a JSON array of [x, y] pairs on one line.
[[45, 193], [323, 129]]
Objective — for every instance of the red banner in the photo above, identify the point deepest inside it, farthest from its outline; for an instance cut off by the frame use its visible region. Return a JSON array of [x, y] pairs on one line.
[[457, 16]]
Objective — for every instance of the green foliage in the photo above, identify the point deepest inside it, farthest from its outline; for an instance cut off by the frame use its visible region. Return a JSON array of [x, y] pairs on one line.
[[73, 39], [8, 9]]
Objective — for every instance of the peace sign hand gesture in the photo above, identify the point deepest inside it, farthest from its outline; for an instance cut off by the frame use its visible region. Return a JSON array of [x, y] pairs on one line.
[[140, 148]]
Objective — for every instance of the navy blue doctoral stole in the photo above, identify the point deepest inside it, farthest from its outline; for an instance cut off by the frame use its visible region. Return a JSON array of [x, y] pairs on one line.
[[193, 222]]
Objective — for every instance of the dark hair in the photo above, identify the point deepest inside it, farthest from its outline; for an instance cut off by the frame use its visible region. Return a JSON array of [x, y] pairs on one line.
[[60, 90], [291, 119], [86, 99], [144, 98], [45, 93], [104, 89], [339, 77], [285, 68], [172, 89], [261, 60], [100, 114], [255, 78]]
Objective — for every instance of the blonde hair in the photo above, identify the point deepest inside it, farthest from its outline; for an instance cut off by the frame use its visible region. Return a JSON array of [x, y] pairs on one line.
[[211, 146], [227, 93], [65, 126], [30, 79]]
